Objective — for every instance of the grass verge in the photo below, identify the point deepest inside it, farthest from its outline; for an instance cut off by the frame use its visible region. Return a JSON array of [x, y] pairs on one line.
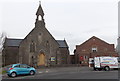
[[2, 72]]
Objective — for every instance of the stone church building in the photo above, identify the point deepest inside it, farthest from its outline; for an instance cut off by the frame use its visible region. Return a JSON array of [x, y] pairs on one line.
[[38, 48]]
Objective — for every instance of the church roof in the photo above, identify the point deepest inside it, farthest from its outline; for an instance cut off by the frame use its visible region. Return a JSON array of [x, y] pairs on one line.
[[16, 42], [62, 43], [40, 11], [12, 42]]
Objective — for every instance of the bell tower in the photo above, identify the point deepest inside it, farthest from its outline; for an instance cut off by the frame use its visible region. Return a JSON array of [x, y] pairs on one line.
[[39, 16]]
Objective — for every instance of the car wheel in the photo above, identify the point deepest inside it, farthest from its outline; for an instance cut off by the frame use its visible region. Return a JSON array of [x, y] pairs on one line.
[[99, 69], [106, 68], [32, 72], [13, 74], [8, 75], [95, 69]]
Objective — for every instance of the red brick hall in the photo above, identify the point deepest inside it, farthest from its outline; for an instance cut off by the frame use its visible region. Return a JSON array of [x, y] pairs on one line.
[[91, 48]]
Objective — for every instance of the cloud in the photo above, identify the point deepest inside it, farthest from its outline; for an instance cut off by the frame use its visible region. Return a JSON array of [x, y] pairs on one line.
[[74, 21], [80, 0]]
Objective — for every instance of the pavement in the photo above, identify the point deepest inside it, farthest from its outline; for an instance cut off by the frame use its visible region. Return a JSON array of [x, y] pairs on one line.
[[0, 77]]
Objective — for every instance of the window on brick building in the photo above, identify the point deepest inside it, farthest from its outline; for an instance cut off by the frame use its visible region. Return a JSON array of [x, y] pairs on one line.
[[83, 50], [105, 49], [94, 49], [85, 57]]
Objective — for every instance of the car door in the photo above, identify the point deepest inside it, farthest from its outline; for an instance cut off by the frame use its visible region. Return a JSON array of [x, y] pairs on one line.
[[24, 69], [17, 69]]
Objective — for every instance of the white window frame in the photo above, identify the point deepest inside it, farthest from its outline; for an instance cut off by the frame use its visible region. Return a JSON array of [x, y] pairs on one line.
[[94, 49]]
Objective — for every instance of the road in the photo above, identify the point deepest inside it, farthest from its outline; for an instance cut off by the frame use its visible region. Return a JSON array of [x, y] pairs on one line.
[[70, 73]]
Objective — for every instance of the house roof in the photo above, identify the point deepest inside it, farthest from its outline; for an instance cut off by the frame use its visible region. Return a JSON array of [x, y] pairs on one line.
[[62, 43], [13, 42]]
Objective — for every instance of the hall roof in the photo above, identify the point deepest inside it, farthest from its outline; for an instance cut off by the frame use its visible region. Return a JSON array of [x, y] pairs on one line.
[[12, 42], [62, 43]]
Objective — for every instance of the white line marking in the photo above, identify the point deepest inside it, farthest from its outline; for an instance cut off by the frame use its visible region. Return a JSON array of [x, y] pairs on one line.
[[40, 72]]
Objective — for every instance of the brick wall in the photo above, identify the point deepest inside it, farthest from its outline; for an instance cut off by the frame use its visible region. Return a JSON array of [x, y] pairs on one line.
[[91, 48]]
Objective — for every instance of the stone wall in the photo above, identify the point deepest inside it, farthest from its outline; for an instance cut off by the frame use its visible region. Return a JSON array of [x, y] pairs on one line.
[[44, 43], [0, 59], [10, 55], [65, 57]]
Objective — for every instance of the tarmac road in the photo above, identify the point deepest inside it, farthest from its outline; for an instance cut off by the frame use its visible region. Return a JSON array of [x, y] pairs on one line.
[[69, 73]]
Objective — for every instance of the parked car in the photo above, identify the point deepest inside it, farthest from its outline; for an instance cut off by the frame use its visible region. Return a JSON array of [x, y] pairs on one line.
[[20, 69]]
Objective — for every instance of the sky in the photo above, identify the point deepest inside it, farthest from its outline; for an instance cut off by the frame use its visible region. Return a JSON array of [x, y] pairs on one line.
[[73, 20]]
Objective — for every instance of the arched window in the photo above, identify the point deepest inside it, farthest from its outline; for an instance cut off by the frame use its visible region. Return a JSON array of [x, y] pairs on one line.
[[39, 18], [32, 60], [32, 47], [47, 43]]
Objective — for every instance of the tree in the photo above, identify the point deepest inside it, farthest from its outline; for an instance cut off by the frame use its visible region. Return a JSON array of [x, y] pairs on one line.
[[2, 40]]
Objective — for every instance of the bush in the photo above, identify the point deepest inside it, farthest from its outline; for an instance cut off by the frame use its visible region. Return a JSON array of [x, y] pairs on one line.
[[3, 71]]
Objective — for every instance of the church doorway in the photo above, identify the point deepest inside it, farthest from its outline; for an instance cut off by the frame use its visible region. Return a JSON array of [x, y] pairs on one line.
[[41, 60]]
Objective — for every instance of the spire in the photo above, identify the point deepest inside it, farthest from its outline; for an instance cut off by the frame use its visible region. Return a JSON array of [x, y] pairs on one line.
[[39, 2], [40, 10], [40, 16]]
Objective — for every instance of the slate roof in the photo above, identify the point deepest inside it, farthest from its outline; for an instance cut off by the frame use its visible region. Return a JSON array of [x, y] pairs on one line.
[[94, 37], [12, 42], [16, 42], [62, 43]]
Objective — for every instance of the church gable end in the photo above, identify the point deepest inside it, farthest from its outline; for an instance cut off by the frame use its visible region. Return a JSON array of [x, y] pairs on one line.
[[40, 41], [38, 48]]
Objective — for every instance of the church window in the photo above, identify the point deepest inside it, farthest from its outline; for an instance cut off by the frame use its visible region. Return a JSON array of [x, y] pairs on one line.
[[32, 47], [47, 43], [39, 33], [40, 37], [32, 60]]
